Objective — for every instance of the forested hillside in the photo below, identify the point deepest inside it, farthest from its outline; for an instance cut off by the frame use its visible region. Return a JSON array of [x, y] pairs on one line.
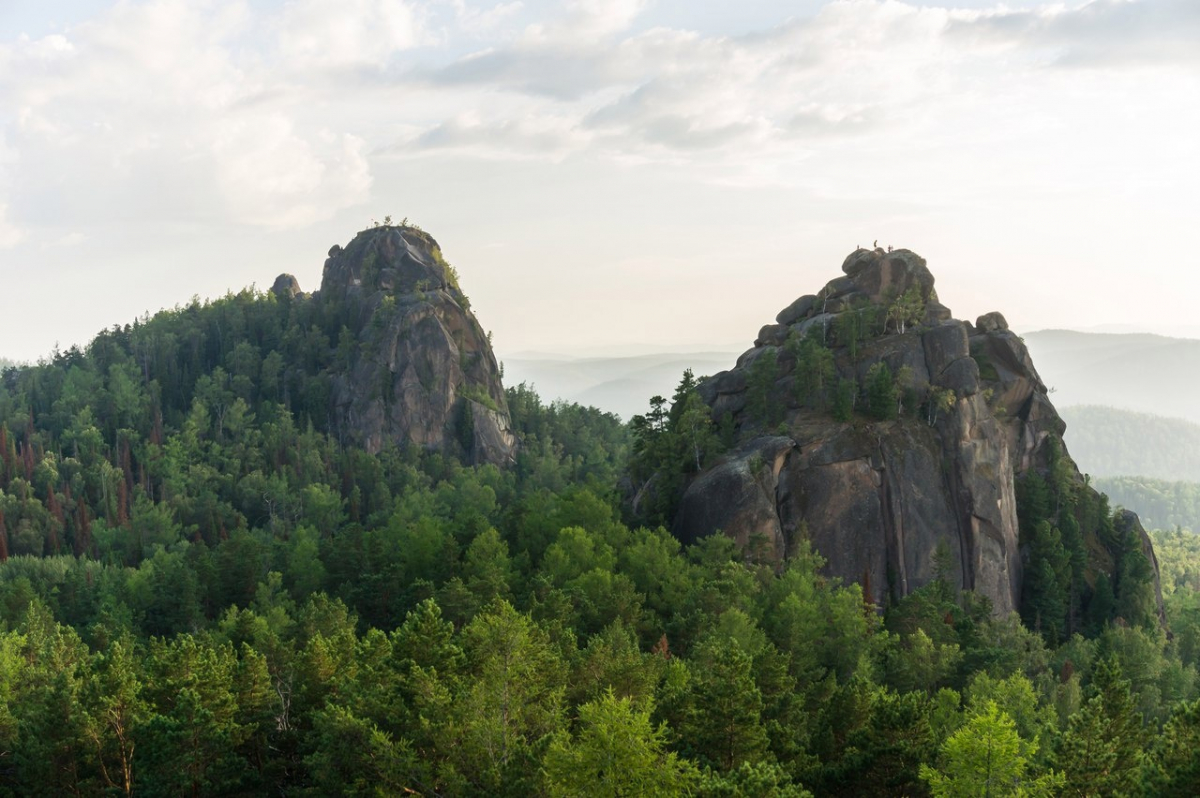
[[1109, 442], [1160, 504], [206, 590]]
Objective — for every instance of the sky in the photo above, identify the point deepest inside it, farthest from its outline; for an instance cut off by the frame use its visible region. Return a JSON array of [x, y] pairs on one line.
[[604, 174]]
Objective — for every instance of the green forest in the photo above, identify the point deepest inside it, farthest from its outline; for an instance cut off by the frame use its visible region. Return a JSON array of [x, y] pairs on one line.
[[1160, 503], [1109, 442], [203, 591]]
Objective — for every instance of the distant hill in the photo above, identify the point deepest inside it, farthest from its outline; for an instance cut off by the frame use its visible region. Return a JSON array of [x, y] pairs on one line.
[[621, 385], [1160, 504], [1108, 442], [1138, 371]]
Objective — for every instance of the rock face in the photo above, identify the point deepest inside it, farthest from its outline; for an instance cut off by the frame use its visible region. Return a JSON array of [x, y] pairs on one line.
[[421, 369], [286, 287], [884, 501]]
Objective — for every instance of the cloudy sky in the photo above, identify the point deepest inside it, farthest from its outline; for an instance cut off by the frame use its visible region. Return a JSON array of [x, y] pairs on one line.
[[602, 172]]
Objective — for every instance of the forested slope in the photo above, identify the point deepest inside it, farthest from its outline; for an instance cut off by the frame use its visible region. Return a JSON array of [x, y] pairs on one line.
[[1109, 442], [1160, 503], [206, 590]]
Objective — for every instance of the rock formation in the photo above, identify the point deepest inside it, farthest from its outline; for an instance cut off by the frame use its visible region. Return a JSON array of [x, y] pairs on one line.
[[414, 366], [879, 499]]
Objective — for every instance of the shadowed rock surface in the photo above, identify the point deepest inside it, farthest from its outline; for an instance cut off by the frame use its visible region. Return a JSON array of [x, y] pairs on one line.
[[420, 367], [286, 287], [880, 498]]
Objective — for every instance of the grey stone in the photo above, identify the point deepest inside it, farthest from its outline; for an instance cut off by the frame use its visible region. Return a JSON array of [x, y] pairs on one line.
[[991, 322], [881, 275], [797, 310], [772, 334], [737, 497], [878, 499], [426, 374], [286, 286]]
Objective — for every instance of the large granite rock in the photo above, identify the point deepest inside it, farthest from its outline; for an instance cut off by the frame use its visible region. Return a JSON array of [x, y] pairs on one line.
[[422, 371], [881, 275], [884, 501], [738, 497], [286, 286]]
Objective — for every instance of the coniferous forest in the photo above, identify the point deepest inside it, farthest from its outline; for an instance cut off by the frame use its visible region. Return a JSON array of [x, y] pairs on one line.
[[206, 590]]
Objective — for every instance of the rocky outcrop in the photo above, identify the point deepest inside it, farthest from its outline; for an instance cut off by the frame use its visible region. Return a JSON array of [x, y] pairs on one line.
[[418, 368], [738, 497], [886, 502], [286, 286]]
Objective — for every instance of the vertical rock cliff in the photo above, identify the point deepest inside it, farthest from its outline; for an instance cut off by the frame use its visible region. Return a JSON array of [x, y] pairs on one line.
[[892, 497], [414, 366]]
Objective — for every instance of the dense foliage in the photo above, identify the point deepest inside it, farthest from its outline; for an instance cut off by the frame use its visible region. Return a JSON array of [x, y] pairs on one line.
[[203, 592]]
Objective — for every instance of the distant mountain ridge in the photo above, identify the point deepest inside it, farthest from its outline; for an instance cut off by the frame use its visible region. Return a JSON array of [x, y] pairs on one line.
[[621, 385], [1142, 372], [1136, 371]]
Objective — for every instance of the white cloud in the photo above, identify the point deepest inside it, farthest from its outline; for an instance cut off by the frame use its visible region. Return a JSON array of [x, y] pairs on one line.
[[482, 21], [10, 234], [271, 176], [589, 19], [539, 137], [1100, 33], [343, 33], [154, 109], [876, 73], [225, 118]]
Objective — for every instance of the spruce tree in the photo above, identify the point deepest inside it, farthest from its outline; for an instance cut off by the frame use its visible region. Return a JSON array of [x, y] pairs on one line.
[[1101, 751]]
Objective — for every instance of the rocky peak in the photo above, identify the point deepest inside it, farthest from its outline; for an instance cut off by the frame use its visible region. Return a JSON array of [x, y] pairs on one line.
[[286, 286], [393, 259], [880, 275], [422, 371], [880, 489]]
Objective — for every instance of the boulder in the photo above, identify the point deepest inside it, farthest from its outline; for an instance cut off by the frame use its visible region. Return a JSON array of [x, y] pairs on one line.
[[838, 286], [821, 320], [961, 376], [991, 322], [737, 497], [945, 344], [772, 334], [936, 312], [286, 286], [798, 310], [883, 275]]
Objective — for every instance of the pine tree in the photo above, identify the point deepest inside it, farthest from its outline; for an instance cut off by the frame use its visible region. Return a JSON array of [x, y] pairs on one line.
[[1045, 589], [881, 392], [1101, 751], [843, 399], [724, 720], [761, 402], [1174, 767]]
